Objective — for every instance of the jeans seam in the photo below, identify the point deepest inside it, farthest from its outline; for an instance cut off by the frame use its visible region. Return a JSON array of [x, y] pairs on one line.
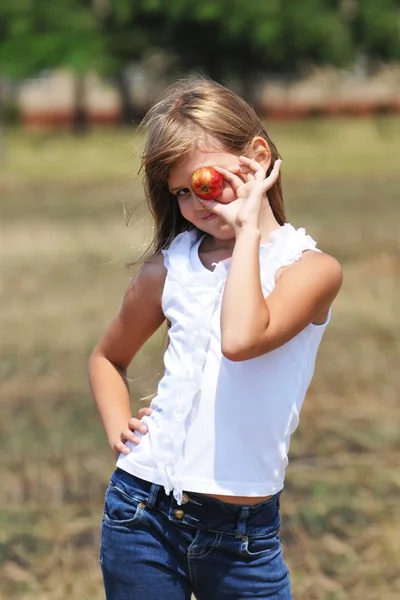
[[107, 521], [121, 491], [263, 553], [214, 545], [135, 504]]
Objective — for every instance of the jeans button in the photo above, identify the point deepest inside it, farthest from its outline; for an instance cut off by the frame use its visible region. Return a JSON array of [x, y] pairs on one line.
[[179, 514]]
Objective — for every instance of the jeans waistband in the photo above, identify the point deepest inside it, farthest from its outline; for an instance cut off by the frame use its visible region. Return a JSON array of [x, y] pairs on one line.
[[203, 512]]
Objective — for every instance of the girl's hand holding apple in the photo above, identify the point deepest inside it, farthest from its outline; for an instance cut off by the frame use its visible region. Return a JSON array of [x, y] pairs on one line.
[[245, 210]]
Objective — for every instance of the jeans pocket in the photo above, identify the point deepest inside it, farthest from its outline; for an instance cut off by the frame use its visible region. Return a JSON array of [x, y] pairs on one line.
[[120, 509], [259, 546]]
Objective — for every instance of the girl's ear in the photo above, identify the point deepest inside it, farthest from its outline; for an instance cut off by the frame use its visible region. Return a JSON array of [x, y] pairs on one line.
[[260, 151]]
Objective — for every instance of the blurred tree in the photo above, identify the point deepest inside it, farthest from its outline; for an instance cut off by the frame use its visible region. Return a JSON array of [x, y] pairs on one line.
[[279, 36], [220, 37], [224, 38], [234, 38], [242, 39], [36, 35], [128, 30], [376, 29]]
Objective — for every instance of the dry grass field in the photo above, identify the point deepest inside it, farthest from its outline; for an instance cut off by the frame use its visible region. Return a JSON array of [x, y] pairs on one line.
[[64, 246]]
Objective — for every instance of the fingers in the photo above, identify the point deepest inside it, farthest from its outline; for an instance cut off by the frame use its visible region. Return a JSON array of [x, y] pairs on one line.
[[273, 176], [128, 434], [253, 166], [259, 171], [137, 424], [212, 205], [243, 172], [120, 448], [230, 176], [249, 169], [145, 411], [246, 173]]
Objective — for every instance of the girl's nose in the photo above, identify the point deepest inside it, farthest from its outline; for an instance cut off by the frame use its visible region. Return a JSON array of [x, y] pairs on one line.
[[197, 205]]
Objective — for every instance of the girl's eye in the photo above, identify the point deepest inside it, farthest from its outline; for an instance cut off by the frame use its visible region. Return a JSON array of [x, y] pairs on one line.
[[181, 193]]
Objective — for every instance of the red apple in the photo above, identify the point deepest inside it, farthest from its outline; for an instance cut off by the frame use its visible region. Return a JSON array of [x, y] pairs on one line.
[[206, 183]]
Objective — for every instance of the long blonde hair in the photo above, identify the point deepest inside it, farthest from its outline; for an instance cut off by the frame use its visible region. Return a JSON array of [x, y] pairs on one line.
[[189, 110]]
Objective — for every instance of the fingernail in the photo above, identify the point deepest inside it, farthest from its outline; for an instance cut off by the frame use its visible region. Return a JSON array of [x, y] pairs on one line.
[[143, 428]]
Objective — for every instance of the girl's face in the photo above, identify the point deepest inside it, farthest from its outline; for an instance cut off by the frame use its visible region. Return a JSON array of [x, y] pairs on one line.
[[190, 206]]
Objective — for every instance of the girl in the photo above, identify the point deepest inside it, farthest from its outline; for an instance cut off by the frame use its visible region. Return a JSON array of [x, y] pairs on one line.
[[194, 508]]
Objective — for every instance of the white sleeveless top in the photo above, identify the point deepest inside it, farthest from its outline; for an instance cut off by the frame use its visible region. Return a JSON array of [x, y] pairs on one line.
[[222, 427]]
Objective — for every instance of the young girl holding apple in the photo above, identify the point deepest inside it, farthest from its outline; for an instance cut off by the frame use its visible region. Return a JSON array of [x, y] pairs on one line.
[[193, 505]]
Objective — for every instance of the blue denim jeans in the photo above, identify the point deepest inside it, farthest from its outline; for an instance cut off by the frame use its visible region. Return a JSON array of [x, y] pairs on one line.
[[154, 549]]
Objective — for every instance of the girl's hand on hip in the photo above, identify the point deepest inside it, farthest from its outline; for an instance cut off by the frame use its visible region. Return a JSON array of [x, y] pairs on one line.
[[128, 434], [251, 194]]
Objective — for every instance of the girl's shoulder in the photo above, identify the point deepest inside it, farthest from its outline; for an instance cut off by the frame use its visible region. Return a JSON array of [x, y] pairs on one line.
[[307, 265], [295, 246], [290, 241], [285, 247], [153, 269], [150, 277], [177, 255]]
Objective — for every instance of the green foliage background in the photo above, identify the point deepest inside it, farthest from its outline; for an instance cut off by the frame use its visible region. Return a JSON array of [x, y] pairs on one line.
[[220, 37]]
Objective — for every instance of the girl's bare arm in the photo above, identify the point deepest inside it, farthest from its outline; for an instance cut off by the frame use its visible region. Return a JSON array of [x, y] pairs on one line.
[[138, 318], [253, 325]]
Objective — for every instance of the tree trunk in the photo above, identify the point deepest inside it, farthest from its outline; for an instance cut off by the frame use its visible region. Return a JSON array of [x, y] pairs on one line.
[[127, 113], [2, 133], [80, 121]]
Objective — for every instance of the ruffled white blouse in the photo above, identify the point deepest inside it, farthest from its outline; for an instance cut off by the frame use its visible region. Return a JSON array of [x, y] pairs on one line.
[[195, 440]]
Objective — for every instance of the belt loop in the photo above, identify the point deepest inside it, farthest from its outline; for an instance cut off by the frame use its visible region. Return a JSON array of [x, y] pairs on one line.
[[241, 524], [152, 499]]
